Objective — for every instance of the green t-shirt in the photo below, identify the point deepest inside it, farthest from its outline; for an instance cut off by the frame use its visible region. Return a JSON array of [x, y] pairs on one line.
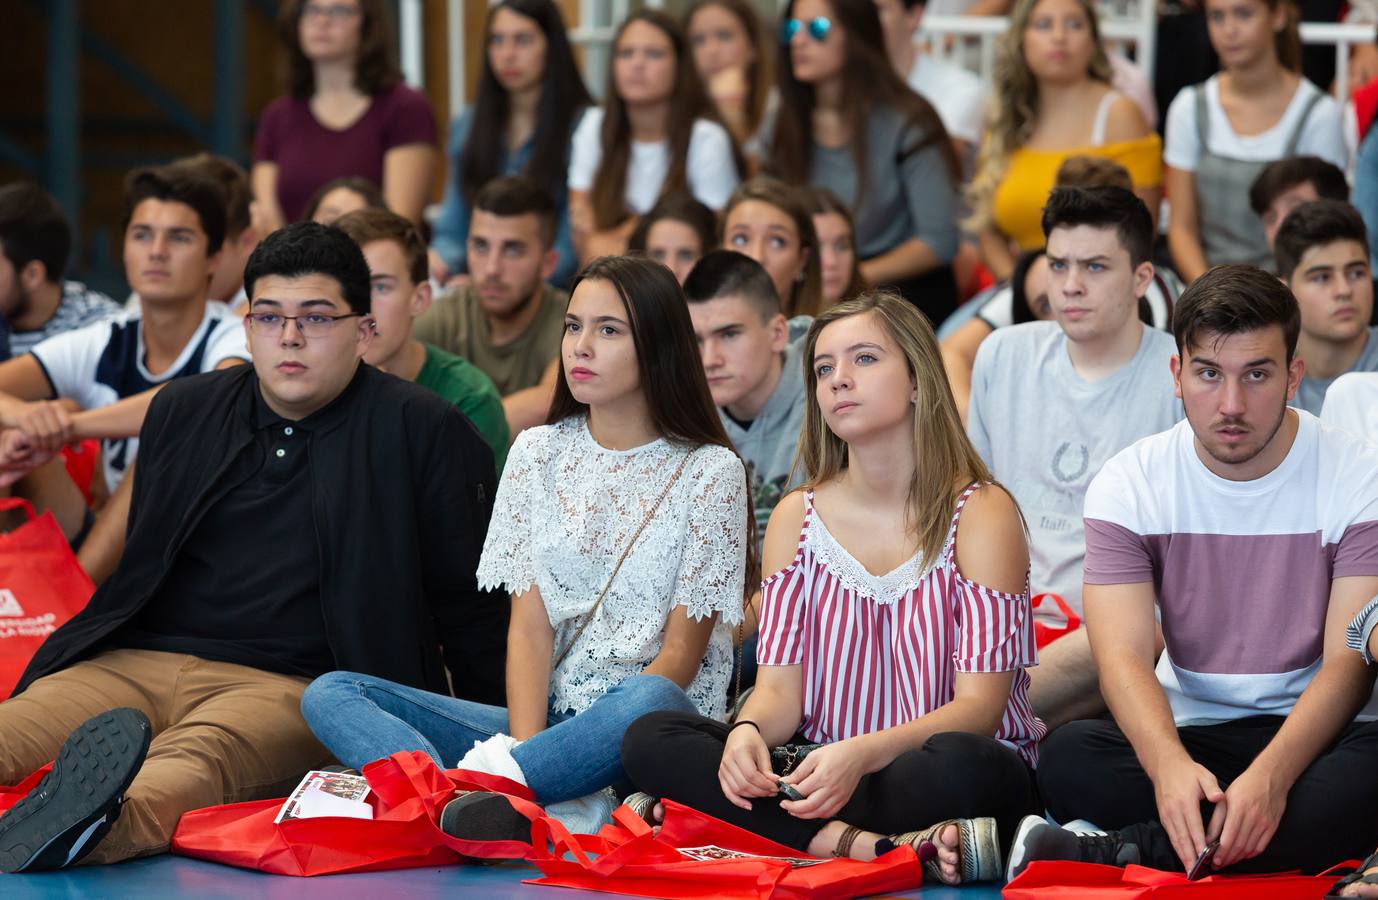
[[472, 392]]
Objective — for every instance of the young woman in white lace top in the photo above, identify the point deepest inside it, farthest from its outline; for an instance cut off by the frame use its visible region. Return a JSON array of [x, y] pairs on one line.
[[623, 532]]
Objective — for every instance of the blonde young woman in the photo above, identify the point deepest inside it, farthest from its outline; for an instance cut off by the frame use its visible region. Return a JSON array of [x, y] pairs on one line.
[[1053, 78], [894, 634]]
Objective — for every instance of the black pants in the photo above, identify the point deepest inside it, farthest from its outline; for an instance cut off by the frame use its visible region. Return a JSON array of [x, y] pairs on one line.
[[676, 755], [1088, 770], [933, 293]]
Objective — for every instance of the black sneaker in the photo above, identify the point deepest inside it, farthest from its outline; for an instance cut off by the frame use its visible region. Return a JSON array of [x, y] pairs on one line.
[[68, 813], [484, 816], [1036, 839]]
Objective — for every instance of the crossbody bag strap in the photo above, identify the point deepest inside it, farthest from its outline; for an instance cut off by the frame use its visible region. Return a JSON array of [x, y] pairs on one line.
[[626, 551]]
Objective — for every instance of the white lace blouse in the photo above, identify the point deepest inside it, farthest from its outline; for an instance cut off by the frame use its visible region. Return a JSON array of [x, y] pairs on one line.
[[565, 511]]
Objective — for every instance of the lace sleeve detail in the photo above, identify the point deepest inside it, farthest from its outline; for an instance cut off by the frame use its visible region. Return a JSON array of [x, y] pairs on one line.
[[506, 561], [712, 570]]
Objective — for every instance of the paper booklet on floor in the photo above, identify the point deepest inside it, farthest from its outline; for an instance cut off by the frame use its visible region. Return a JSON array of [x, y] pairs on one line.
[[323, 794]]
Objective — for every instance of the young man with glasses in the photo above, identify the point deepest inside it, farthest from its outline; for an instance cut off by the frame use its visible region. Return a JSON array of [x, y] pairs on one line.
[[268, 544]]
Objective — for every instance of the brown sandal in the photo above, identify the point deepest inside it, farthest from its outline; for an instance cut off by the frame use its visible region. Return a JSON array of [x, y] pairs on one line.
[[978, 849]]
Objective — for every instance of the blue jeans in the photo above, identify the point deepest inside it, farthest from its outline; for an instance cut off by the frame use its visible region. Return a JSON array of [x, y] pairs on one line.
[[360, 719], [1365, 196]]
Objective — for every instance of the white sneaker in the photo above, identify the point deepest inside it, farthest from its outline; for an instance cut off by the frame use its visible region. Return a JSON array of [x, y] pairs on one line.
[[586, 814]]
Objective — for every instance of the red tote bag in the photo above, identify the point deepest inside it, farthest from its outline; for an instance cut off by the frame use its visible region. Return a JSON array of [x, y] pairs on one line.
[[1087, 881], [41, 587], [628, 858], [407, 793], [1046, 634]]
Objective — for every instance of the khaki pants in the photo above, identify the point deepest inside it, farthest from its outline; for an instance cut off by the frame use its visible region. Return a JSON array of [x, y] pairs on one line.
[[222, 733]]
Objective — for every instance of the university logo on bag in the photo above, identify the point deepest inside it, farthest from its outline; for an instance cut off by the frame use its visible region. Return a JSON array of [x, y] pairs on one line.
[[9, 605]]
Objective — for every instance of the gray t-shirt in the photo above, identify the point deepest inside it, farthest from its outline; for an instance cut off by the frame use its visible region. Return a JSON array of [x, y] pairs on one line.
[[1045, 432], [909, 193], [1311, 392]]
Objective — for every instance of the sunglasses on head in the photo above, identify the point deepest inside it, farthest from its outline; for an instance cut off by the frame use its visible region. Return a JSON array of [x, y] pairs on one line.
[[818, 26]]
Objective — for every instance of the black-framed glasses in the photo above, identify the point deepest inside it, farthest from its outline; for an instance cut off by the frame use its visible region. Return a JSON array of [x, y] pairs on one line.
[[818, 26], [311, 325]]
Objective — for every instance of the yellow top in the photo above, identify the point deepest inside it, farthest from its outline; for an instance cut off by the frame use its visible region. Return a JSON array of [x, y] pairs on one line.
[[1017, 207]]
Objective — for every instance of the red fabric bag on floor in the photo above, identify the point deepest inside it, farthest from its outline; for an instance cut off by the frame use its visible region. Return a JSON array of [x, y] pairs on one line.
[[9, 796], [728, 862], [41, 587], [1087, 881], [407, 793]]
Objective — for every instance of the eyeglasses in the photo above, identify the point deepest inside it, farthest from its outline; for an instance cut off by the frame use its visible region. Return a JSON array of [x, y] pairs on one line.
[[819, 26], [311, 325], [335, 13]]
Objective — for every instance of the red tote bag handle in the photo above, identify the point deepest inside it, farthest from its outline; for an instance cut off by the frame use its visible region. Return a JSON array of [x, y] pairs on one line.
[[9, 503], [1046, 634]]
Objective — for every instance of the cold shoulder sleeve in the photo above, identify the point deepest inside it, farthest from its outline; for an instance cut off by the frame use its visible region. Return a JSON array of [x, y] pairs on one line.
[[995, 628], [506, 561], [712, 569]]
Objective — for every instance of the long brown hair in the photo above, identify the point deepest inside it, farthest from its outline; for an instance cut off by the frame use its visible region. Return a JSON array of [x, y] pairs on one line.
[[563, 100], [820, 202], [868, 82], [944, 460], [760, 74], [688, 103], [1016, 112], [806, 294], [375, 68], [669, 366]]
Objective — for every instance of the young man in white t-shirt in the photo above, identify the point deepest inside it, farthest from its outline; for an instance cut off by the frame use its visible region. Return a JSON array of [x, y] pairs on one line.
[[175, 225], [1251, 529], [1321, 252], [1052, 401]]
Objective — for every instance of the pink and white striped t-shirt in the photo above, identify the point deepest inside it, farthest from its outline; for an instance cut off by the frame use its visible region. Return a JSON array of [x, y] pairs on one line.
[[880, 651]]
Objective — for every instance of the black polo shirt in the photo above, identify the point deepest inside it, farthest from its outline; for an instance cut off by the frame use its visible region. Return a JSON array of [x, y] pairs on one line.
[[245, 588]]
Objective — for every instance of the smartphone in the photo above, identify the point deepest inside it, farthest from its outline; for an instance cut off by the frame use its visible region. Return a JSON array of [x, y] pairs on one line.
[[788, 792], [1202, 867]]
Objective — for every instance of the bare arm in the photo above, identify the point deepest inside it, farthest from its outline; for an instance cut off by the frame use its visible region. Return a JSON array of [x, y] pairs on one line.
[[1255, 801], [1120, 625], [104, 545], [408, 173], [21, 382], [1184, 226], [996, 253], [909, 259], [959, 359], [529, 407], [530, 643], [681, 653], [264, 180]]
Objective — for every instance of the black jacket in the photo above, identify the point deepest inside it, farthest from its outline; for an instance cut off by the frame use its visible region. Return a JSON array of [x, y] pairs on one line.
[[402, 489]]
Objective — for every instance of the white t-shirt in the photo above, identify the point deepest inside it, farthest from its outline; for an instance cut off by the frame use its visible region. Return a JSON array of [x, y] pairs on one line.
[[1351, 403], [104, 362], [710, 169], [958, 95], [1321, 134], [1242, 569]]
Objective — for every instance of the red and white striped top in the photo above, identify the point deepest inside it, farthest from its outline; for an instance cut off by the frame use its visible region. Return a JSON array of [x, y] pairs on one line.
[[882, 651]]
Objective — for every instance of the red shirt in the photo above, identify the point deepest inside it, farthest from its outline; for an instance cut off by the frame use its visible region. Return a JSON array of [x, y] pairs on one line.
[[882, 651], [308, 154]]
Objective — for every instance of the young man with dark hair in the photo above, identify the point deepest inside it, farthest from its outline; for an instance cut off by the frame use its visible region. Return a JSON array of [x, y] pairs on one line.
[[402, 291], [1251, 529], [266, 547], [506, 320], [1285, 184], [241, 234], [1321, 253], [174, 231], [1052, 401], [754, 368], [35, 240]]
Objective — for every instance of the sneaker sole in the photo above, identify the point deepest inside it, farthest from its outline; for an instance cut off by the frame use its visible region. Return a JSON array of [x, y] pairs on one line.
[[482, 816], [980, 851], [94, 768], [1016, 861]]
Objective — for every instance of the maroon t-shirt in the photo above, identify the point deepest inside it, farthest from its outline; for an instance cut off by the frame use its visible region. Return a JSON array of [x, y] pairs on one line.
[[308, 154]]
